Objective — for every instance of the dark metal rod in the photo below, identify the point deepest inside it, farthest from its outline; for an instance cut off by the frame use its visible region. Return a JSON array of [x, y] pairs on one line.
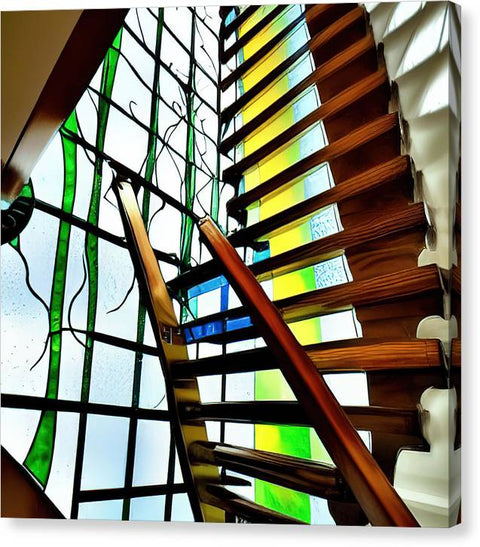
[[92, 229], [10, 400], [132, 492]]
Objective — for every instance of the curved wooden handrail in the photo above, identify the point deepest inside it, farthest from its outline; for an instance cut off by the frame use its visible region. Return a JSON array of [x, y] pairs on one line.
[[382, 505]]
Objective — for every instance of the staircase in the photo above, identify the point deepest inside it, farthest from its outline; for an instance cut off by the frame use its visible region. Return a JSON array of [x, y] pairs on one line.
[[384, 227]]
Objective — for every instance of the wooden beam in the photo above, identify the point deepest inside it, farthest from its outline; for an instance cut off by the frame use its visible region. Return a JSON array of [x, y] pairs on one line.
[[89, 42]]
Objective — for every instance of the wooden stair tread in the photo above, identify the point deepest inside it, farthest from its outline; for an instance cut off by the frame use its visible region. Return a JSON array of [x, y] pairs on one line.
[[318, 41], [323, 72], [315, 251], [358, 354], [394, 421], [318, 302], [332, 107]]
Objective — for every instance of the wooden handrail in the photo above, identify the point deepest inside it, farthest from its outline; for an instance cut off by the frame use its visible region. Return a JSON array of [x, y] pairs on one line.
[[381, 503], [171, 347]]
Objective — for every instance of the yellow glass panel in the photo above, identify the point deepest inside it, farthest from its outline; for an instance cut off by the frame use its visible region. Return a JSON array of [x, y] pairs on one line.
[[279, 54], [257, 16]]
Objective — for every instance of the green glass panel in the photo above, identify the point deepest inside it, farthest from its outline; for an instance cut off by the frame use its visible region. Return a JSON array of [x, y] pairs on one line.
[[39, 457], [91, 241], [295, 441]]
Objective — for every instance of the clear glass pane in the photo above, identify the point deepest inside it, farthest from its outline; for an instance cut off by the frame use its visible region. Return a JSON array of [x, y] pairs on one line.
[[151, 453], [151, 508], [105, 453], [101, 510]]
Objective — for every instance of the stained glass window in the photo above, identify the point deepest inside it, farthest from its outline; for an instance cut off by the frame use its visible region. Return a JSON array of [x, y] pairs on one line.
[[226, 113], [153, 108]]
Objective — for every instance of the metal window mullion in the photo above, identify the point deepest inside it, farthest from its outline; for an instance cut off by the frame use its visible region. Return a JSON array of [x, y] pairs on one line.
[[99, 232], [167, 68]]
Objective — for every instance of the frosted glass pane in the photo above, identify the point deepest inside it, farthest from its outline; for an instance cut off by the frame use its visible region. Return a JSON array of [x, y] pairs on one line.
[[319, 513], [240, 434], [181, 509], [115, 277], [112, 375], [60, 482], [105, 452], [209, 303], [213, 431], [71, 368], [151, 508], [339, 326], [125, 140], [166, 240], [152, 384], [38, 243], [18, 430], [179, 21], [47, 177], [240, 387], [101, 510], [128, 87], [210, 388], [76, 297], [151, 453], [24, 330]]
